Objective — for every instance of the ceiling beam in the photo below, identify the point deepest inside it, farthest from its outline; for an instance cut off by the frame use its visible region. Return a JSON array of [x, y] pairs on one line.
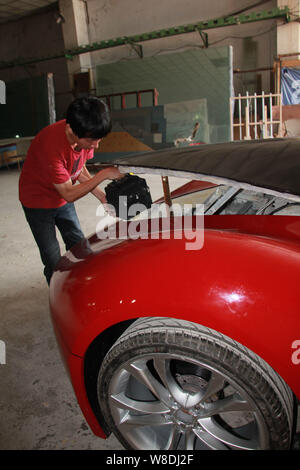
[[275, 13]]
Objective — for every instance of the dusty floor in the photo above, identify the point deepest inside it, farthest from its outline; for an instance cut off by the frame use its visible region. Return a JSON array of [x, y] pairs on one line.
[[38, 408]]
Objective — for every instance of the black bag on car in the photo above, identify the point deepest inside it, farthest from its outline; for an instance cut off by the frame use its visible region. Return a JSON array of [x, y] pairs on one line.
[[125, 192]]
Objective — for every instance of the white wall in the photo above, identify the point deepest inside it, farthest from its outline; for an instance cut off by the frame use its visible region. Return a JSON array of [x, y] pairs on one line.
[[110, 18], [288, 37], [254, 45]]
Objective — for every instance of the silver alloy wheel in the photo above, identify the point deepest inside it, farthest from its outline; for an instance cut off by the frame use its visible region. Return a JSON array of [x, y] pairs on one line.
[[167, 401], [173, 384]]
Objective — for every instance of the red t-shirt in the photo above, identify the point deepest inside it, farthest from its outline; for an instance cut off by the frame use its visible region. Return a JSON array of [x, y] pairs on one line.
[[50, 160]]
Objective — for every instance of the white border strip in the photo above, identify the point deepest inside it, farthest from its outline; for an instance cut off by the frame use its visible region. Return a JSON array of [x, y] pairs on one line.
[[209, 179]]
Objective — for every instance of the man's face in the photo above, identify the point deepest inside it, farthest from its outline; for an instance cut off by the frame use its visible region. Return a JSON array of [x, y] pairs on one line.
[[81, 143], [87, 143]]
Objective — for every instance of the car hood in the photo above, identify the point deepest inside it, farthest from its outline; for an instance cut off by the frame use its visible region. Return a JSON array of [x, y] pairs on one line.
[[271, 165]]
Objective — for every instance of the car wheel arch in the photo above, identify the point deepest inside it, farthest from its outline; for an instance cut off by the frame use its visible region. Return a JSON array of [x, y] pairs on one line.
[[100, 346], [141, 346], [93, 358]]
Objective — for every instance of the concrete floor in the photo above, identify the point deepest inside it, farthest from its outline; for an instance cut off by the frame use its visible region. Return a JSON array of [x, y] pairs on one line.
[[38, 408]]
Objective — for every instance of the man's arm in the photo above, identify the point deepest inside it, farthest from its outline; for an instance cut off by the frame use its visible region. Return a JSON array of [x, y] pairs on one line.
[[97, 192], [72, 192]]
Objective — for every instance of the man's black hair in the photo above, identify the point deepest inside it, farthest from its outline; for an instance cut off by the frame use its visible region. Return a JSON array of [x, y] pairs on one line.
[[89, 117]]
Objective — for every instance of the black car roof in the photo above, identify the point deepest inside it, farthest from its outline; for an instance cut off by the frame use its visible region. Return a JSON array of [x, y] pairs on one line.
[[271, 164]]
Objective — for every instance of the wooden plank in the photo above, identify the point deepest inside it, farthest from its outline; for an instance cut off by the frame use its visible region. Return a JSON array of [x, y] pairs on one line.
[[289, 111], [290, 63]]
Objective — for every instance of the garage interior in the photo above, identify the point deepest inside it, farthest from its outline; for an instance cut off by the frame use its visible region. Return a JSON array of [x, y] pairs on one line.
[[54, 51]]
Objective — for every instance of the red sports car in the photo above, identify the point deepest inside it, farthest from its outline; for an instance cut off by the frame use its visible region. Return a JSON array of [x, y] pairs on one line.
[[171, 345]]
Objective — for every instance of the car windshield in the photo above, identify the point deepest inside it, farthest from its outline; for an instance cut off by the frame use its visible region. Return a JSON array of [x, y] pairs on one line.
[[225, 199]]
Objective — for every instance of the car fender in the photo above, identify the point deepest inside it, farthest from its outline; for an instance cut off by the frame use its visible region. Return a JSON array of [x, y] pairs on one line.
[[242, 285]]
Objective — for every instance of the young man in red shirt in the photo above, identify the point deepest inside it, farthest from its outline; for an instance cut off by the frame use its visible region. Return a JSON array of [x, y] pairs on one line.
[[54, 163]]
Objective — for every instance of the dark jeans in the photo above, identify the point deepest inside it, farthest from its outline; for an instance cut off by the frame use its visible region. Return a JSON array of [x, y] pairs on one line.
[[43, 222]]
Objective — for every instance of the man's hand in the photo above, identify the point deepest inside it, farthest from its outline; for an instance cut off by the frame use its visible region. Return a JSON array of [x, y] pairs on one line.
[[87, 184], [113, 173]]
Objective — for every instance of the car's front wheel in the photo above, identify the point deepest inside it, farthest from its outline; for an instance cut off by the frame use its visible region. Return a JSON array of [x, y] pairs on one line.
[[169, 384]]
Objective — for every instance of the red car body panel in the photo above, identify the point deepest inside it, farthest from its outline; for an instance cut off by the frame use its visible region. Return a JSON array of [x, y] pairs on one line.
[[189, 188], [243, 283], [75, 368]]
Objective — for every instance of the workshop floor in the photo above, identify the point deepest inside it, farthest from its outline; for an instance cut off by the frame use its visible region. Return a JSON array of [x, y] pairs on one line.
[[38, 408]]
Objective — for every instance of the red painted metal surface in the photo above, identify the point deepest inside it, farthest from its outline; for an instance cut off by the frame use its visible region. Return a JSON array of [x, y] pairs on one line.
[[243, 283], [189, 188], [138, 95]]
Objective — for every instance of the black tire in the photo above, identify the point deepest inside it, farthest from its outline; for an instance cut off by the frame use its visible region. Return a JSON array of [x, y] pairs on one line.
[[171, 384]]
